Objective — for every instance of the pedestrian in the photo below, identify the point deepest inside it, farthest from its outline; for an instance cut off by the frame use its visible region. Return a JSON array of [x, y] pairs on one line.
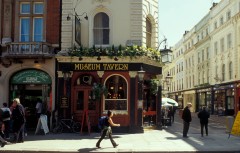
[[38, 108], [187, 118], [171, 114], [6, 120], [203, 115], [18, 116], [2, 127], [107, 130], [174, 112]]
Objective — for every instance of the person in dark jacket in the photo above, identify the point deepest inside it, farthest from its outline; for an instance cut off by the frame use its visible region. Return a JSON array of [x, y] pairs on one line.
[[187, 118], [203, 116], [107, 130], [18, 117]]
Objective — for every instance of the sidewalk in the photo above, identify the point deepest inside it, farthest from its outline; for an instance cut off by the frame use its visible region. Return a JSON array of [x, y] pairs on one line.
[[167, 140]]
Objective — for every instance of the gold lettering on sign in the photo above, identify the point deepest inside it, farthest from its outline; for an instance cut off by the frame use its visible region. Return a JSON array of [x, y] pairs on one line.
[[87, 67], [118, 67], [97, 67]]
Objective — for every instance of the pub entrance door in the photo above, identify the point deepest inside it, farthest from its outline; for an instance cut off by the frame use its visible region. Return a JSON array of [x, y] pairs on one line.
[[83, 102]]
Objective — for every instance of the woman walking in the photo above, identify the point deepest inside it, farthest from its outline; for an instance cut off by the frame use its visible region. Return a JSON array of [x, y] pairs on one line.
[[107, 130]]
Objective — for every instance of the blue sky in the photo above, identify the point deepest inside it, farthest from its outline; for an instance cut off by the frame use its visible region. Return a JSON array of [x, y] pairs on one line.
[[176, 16]]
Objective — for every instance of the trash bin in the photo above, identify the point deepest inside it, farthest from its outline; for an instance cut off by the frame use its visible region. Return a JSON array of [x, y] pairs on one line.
[[229, 123]]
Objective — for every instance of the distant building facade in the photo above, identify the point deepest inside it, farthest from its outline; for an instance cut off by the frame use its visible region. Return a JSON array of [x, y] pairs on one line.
[[211, 58]]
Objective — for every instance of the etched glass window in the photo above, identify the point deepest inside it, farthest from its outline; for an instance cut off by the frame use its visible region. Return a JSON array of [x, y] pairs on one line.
[[117, 93]]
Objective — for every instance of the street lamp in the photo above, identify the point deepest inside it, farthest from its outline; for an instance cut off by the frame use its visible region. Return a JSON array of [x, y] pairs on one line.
[[166, 55], [64, 100], [77, 16], [141, 74]]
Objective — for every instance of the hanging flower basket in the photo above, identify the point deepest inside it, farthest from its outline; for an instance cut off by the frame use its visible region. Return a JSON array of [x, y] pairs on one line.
[[98, 90]]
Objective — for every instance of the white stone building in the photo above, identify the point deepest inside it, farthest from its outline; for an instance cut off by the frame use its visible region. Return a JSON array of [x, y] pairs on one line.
[[211, 59]]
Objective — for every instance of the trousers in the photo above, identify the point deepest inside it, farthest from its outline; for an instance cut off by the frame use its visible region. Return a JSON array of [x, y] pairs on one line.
[[106, 131], [185, 128], [204, 125]]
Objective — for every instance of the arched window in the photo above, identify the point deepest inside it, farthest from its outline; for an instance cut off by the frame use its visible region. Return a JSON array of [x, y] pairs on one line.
[[101, 29], [117, 93], [148, 33]]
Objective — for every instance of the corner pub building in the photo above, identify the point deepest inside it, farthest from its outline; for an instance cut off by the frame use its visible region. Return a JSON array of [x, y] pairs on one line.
[[103, 49]]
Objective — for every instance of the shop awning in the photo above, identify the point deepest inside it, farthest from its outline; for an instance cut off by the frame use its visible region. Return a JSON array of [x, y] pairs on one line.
[[31, 77]]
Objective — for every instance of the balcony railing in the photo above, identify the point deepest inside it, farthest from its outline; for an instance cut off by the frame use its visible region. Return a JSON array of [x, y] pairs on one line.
[[29, 50]]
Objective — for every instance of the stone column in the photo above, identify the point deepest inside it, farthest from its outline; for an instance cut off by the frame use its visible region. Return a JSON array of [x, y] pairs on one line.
[[7, 21]]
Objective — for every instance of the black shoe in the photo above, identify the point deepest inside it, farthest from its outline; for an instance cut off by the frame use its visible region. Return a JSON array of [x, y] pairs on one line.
[[185, 136], [98, 146], [3, 144], [115, 145], [20, 141]]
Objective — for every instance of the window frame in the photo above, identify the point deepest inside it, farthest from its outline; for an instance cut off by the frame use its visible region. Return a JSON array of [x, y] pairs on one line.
[[101, 28], [31, 17], [112, 99]]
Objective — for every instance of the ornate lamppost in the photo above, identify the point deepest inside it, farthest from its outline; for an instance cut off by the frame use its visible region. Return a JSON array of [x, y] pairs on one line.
[[65, 98], [166, 55], [140, 99]]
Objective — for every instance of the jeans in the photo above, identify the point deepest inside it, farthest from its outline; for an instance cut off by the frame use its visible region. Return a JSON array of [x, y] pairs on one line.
[[106, 130]]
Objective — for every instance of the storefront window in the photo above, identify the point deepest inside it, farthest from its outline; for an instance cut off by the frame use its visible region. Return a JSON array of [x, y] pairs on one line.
[[117, 93], [230, 101], [91, 102]]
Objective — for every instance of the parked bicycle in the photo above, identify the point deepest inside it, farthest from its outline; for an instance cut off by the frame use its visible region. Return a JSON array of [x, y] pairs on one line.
[[67, 125]]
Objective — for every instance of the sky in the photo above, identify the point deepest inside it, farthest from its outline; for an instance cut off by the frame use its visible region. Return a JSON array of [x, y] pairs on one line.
[[177, 16]]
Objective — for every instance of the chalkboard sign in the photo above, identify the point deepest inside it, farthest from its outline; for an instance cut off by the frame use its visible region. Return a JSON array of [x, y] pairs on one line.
[[42, 124], [64, 102]]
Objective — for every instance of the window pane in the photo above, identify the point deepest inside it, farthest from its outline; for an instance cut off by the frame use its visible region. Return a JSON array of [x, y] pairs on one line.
[[25, 29], [117, 93], [38, 8], [80, 100], [38, 29], [101, 29], [25, 8]]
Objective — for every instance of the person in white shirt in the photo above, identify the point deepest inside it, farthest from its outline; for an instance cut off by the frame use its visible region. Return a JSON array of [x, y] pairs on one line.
[[38, 107], [6, 120]]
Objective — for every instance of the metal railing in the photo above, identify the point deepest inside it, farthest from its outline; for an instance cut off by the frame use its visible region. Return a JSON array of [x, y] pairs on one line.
[[29, 48]]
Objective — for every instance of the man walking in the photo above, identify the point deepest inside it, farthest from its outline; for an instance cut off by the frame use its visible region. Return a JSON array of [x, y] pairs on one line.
[[203, 116], [187, 118]]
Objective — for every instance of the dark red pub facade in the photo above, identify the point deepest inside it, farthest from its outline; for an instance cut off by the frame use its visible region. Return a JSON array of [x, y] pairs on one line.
[[97, 86]]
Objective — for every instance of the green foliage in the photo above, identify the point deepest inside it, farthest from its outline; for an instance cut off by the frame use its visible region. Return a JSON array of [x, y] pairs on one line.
[[120, 51], [154, 86], [98, 90]]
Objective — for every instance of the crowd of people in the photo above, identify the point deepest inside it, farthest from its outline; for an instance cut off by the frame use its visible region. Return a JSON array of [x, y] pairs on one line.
[[13, 120]]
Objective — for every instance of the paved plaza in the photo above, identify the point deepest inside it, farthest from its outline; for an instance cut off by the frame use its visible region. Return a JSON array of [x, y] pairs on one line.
[[167, 140]]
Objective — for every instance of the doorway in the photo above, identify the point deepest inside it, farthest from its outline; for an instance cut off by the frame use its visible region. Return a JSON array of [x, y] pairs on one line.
[[29, 85], [28, 94], [84, 101]]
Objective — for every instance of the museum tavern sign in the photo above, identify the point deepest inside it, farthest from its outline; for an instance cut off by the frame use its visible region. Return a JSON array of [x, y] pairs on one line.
[[85, 66], [102, 66]]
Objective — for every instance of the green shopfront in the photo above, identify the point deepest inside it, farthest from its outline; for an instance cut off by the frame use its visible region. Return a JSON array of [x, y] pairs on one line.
[[29, 85]]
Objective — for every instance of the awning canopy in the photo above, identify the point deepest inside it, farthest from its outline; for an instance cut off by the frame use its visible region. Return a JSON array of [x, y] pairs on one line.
[[31, 77]]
